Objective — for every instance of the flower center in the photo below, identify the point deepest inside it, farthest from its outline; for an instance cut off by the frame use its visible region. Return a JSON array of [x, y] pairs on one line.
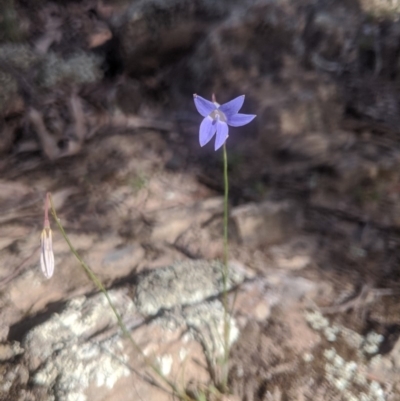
[[218, 115]]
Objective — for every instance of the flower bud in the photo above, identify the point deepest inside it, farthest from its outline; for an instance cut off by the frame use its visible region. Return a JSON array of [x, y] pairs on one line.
[[46, 252]]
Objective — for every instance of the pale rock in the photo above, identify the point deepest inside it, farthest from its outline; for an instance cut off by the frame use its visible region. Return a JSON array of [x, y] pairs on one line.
[[295, 254], [174, 222], [266, 223]]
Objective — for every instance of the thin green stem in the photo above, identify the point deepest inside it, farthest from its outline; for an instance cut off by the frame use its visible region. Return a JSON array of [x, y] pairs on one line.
[[225, 276], [92, 276], [226, 194]]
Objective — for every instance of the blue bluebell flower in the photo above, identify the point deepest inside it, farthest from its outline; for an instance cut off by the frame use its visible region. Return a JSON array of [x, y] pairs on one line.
[[217, 118]]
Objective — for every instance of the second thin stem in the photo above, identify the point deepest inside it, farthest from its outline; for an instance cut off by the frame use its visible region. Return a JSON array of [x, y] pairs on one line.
[[225, 276]]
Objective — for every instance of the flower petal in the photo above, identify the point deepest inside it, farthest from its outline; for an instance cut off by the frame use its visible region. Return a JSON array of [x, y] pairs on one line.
[[203, 106], [232, 107], [238, 120], [222, 134], [207, 130]]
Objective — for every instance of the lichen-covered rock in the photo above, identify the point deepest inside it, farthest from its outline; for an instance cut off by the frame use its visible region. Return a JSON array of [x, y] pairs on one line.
[[64, 354], [183, 283], [12, 377], [77, 69], [19, 56], [80, 347], [13, 57]]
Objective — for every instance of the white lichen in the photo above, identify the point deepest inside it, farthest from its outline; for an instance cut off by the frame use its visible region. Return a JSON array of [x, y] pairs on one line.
[[346, 377], [331, 333], [316, 320], [349, 378], [183, 283], [165, 363], [372, 342]]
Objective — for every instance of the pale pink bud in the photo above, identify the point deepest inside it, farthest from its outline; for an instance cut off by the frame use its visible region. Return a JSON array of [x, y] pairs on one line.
[[46, 244], [46, 252]]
